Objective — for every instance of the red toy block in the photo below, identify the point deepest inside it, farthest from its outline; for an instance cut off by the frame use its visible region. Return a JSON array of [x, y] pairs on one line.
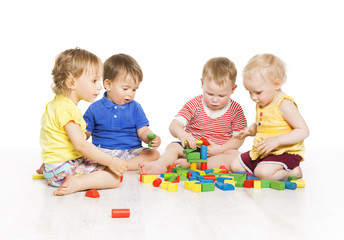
[[157, 182], [170, 168], [210, 177], [121, 178], [204, 166], [92, 193], [248, 183], [205, 142], [225, 170], [120, 213], [178, 180]]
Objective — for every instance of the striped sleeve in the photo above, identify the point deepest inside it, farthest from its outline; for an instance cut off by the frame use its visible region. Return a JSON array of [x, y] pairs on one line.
[[190, 108]]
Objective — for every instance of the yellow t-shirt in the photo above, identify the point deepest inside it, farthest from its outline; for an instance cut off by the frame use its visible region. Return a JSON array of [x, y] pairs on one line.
[[55, 143], [270, 123]]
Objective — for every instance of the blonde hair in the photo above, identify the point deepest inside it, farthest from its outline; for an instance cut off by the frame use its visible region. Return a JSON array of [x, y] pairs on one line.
[[220, 69], [73, 63], [267, 65], [122, 64]]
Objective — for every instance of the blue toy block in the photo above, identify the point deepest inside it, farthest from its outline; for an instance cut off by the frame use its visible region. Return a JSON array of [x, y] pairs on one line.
[[200, 178], [251, 177], [207, 171], [224, 186], [204, 152], [290, 185], [206, 181], [194, 173], [193, 178], [222, 179]]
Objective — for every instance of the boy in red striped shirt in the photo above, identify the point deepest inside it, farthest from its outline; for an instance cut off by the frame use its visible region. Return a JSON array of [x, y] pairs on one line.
[[212, 115]]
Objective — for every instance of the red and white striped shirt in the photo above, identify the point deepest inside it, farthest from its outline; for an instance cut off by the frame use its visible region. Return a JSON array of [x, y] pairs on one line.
[[198, 121]]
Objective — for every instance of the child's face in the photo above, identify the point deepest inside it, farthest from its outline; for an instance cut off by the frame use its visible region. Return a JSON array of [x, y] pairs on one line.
[[88, 86], [122, 90], [262, 91], [216, 97]]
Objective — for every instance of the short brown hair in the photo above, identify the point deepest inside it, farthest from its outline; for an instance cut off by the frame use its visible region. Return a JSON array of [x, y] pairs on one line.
[[72, 63], [119, 64], [267, 65], [220, 69]]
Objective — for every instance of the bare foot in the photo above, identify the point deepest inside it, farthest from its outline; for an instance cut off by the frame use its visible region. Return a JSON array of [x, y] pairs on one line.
[[182, 162], [40, 169], [151, 168], [296, 172], [71, 185]]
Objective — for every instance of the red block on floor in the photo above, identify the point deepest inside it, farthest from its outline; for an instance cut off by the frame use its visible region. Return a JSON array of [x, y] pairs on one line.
[[157, 182], [92, 193], [120, 213], [248, 183]]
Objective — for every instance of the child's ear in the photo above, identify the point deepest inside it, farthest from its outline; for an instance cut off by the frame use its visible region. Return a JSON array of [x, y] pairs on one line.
[[234, 87], [107, 84], [70, 82], [277, 84], [202, 82]]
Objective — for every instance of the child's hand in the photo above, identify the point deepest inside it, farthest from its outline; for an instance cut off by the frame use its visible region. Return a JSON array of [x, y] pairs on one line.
[[267, 145], [214, 149], [118, 166], [188, 138], [156, 142], [249, 131]]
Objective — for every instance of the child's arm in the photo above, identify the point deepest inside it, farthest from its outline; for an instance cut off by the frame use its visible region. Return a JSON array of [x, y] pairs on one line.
[[300, 129], [177, 130], [231, 144], [143, 132], [249, 131], [87, 149]]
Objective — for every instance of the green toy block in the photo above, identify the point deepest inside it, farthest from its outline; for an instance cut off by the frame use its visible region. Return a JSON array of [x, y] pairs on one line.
[[238, 176], [176, 169], [183, 177], [151, 136], [189, 150], [181, 171], [240, 183], [193, 156], [277, 185], [198, 161], [168, 175], [266, 183], [292, 178], [172, 178], [208, 187]]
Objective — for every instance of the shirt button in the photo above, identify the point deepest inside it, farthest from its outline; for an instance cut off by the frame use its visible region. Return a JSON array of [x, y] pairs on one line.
[[115, 107], [115, 116]]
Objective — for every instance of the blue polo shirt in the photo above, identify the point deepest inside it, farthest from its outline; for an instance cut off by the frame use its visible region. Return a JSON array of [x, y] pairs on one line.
[[114, 126]]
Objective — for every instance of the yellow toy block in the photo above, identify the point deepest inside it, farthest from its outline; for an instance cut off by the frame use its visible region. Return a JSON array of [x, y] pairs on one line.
[[230, 181], [193, 166], [198, 143], [172, 187], [257, 184], [299, 183], [217, 170], [164, 184], [196, 188], [148, 178], [189, 184], [38, 176], [202, 173]]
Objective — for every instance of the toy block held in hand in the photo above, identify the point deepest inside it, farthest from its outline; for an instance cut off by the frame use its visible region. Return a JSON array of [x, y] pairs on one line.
[[92, 193], [151, 136]]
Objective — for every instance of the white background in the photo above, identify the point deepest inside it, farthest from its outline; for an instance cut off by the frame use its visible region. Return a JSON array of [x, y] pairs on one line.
[[172, 40]]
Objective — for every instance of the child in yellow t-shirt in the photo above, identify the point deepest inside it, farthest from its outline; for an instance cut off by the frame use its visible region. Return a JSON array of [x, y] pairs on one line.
[[279, 129], [70, 162]]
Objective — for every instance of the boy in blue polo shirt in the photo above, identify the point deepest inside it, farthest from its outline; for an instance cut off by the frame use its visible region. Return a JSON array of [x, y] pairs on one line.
[[117, 122]]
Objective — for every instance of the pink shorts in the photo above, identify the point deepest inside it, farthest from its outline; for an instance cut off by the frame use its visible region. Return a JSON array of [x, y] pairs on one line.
[[288, 161], [80, 166]]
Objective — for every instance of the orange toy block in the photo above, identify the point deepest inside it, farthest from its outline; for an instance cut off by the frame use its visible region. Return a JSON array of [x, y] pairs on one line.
[[120, 213], [92, 193]]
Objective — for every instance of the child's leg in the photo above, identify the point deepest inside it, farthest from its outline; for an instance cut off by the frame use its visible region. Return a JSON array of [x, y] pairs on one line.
[[145, 155], [94, 180], [229, 159], [275, 172], [172, 153]]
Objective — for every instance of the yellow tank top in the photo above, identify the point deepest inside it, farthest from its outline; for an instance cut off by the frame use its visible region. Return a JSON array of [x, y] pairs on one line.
[[270, 123]]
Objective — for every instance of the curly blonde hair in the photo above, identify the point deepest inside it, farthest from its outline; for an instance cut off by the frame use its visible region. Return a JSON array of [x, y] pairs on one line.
[[72, 63], [220, 69]]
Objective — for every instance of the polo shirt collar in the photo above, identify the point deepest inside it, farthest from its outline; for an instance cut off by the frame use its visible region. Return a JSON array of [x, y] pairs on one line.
[[109, 104]]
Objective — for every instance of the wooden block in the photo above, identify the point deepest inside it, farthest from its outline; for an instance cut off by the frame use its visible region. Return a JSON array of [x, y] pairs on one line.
[[265, 183], [148, 178], [164, 185], [172, 187], [277, 185], [299, 183], [196, 188]]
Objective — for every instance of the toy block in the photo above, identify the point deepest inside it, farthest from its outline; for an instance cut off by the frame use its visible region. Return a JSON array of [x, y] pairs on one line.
[[201, 173], [176, 169], [198, 143], [38, 176], [257, 184], [223, 178], [204, 152], [151, 136], [141, 177], [208, 171], [292, 178], [204, 166], [183, 177], [200, 178], [205, 142], [120, 213], [172, 178], [148, 178], [196, 188], [121, 180], [251, 177], [192, 178], [277, 185], [164, 185], [299, 183], [208, 187], [189, 150], [248, 183], [188, 184], [193, 166], [197, 160], [217, 170], [224, 186], [169, 170], [210, 177], [230, 182], [157, 182], [225, 170], [240, 183], [195, 172], [177, 180], [206, 181], [92, 193], [290, 185], [238, 176], [168, 175], [172, 187], [265, 183], [193, 156]]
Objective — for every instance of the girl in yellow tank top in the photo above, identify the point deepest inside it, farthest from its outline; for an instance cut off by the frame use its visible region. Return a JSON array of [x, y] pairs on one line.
[[279, 129]]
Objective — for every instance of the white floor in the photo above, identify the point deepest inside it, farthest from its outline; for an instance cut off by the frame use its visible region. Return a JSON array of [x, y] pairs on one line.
[[30, 211]]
